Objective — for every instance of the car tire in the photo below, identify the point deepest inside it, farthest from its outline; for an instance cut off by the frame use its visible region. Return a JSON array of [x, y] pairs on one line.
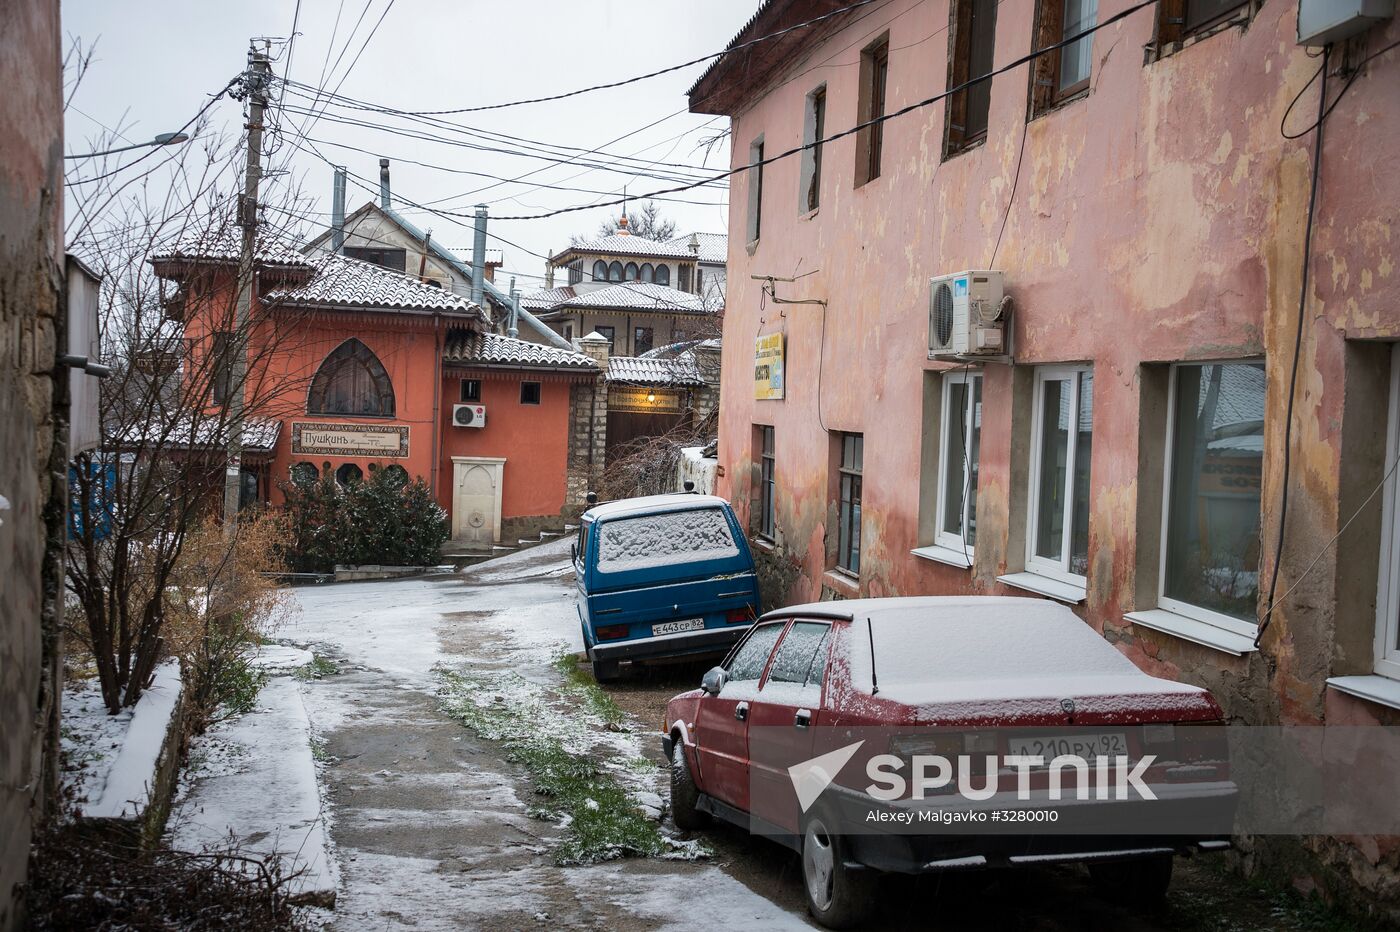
[[607, 671], [684, 793], [838, 896], [1134, 882]]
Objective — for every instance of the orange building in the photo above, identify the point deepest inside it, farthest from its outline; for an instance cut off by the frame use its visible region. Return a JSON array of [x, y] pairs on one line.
[[353, 368]]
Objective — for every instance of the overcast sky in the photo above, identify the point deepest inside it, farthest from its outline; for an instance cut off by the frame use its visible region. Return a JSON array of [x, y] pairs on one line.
[[157, 59]]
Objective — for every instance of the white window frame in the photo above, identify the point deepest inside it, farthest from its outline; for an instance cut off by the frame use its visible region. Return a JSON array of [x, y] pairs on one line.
[[1042, 566], [942, 538], [1387, 657], [1176, 607]]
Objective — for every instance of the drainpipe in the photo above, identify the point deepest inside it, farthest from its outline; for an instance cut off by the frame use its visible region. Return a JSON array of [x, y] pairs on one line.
[[513, 327], [479, 256], [338, 210], [384, 183]]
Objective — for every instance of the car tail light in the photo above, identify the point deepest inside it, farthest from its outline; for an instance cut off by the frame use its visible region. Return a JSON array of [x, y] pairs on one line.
[[738, 615], [611, 632]]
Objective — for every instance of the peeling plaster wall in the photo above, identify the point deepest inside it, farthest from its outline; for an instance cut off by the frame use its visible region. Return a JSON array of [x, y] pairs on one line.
[[1158, 219], [32, 434]]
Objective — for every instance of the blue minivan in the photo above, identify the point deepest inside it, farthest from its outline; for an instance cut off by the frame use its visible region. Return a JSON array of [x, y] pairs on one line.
[[662, 576]]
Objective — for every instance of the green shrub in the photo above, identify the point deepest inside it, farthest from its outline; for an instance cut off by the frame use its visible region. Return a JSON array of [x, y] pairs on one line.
[[384, 519]]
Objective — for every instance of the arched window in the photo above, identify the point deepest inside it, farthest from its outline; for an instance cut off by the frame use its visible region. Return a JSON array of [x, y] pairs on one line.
[[349, 473], [600, 271], [305, 473], [630, 272], [615, 272], [648, 274], [351, 381], [663, 275]]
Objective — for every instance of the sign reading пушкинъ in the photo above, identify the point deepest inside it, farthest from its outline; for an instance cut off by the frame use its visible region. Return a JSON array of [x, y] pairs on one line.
[[768, 375], [350, 439]]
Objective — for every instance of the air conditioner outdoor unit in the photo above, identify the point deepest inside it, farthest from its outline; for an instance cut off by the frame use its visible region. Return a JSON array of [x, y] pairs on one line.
[[469, 415], [966, 316]]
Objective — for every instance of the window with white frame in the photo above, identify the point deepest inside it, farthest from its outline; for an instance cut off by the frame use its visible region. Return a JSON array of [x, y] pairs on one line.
[[1387, 661], [1057, 539], [958, 449], [1214, 473]]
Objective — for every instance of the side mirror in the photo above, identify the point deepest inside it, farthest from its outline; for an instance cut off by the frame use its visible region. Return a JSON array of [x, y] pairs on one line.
[[714, 680]]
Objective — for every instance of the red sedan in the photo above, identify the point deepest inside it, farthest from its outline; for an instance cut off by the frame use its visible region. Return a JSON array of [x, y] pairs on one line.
[[936, 734]]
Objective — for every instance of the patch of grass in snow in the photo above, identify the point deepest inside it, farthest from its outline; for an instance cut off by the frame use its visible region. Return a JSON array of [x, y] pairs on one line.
[[580, 686], [317, 668], [603, 822]]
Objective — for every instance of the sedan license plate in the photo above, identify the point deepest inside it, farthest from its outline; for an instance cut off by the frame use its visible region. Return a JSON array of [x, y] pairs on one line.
[[1088, 745], [675, 627]]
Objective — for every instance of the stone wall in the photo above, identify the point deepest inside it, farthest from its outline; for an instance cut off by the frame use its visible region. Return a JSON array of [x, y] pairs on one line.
[[32, 451], [588, 427]]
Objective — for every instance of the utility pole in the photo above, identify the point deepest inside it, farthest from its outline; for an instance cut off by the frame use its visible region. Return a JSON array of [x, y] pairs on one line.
[[257, 75]]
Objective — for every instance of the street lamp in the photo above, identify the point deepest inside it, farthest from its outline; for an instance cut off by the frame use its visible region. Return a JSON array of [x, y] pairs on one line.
[[164, 139]]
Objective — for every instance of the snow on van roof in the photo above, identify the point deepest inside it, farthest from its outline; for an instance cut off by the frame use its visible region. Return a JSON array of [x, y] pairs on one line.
[[974, 649], [653, 503]]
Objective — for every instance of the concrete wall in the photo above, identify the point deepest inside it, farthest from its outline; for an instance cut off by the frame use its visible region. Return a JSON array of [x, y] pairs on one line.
[[1157, 219], [32, 437]]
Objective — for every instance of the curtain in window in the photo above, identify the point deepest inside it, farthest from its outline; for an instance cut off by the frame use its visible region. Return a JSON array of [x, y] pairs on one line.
[[352, 381]]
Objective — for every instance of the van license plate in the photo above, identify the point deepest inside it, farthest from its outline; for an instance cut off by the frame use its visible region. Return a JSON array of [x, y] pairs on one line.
[[675, 627]]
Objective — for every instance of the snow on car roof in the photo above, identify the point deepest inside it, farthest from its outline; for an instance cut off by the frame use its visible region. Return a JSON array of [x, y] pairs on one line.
[[949, 650], [653, 503]]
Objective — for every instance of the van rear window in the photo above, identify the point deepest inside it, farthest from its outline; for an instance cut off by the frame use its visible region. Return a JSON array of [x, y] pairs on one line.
[[664, 539]]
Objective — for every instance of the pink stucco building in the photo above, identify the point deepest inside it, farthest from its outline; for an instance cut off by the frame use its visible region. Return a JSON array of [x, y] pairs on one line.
[[1144, 193]]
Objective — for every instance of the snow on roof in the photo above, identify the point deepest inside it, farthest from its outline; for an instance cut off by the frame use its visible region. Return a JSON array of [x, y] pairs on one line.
[[676, 501], [225, 245], [977, 649], [547, 298], [644, 370], [714, 247], [640, 296], [259, 434], [492, 349], [342, 282], [628, 244]]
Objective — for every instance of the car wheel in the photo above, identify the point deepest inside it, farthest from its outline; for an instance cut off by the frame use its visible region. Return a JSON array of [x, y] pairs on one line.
[[838, 896], [607, 671], [1137, 881], [684, 793]]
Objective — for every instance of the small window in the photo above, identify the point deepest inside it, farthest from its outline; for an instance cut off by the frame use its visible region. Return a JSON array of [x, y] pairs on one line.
[[1061, 448], [1061, 75], [220, 368], [800, 659], [647, 273], [641, 340], [615, 272], [600, 271], [767, 462], [663, 275], [630, 272], [349, 473], [305, 474], [959, 449], [747, 664], [607, 334], [395, 260], [970, 48], [396, 474], [569, 332], [813, 131], [870, 140], [1387, 656], [850, 476], [471, 390], [685, 273], [755, 219], [1215, 456], [529, 393], [1178, 19]]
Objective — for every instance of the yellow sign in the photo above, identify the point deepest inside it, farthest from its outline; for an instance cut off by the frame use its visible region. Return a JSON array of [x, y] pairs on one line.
[[768, 370], [350, 439], [644, 400]]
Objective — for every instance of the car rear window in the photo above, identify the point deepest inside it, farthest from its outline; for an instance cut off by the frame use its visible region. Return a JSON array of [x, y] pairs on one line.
[[664, 539]]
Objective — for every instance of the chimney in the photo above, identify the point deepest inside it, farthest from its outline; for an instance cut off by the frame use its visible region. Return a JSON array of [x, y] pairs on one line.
[[384, 183], [595, 347], [513, 327], [694, 244], [479, 256], [338, 210], [549, 272]]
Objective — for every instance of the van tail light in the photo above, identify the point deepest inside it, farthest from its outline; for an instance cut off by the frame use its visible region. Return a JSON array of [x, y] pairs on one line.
[[611, 632], [738, 616]]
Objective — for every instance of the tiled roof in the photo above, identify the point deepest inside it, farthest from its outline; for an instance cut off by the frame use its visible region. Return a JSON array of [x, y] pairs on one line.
[[714, 247], [492, 349], [628, 244], [546, 298], [652, 371], [640, 296], [493, 256], [343, 282], [259, 434], [225, 245]]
